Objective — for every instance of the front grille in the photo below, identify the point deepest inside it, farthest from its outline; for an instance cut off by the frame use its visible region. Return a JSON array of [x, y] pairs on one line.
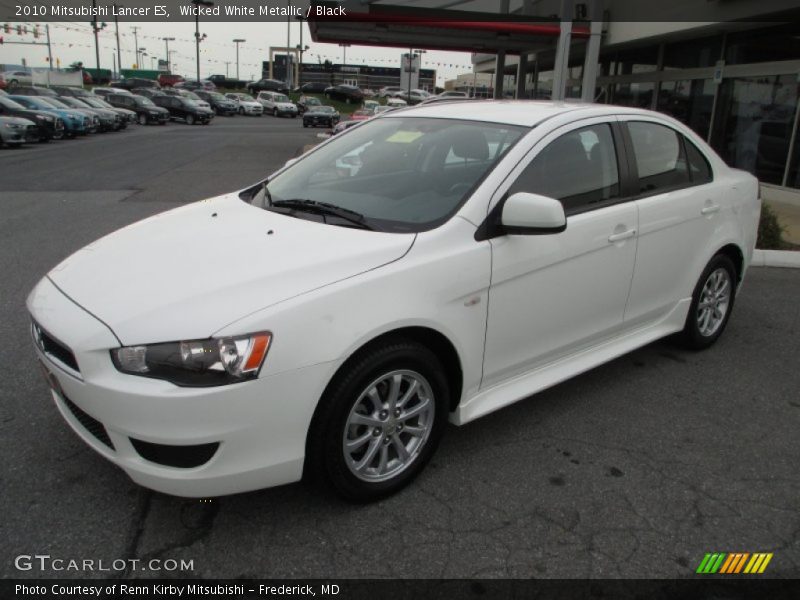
[[50, 345], [89, 423], [184, 457], [32, 133], [59, 124]]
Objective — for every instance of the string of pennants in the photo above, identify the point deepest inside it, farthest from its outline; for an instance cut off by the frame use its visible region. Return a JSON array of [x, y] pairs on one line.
[[87, 29]]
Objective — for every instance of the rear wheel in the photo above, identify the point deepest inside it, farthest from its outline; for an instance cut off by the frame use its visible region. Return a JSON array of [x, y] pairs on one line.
[[190, 119], [274, 112], [380, 421], [142, 119], [712, 303]]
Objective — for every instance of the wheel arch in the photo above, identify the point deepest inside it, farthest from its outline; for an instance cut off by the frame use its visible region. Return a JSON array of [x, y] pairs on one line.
[[734, 252]]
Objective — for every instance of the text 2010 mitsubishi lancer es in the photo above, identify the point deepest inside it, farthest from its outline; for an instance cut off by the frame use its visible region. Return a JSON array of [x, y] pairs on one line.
[[430, 265]]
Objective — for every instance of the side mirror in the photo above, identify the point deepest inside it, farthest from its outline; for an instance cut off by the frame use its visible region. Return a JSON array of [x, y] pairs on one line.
[[531, 214]]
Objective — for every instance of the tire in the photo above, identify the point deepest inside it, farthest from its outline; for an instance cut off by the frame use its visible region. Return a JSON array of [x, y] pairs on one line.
[[712, 303], [241, 111], [305, 124], [142, 119], [274, 112], [353, 474], [190, 119]]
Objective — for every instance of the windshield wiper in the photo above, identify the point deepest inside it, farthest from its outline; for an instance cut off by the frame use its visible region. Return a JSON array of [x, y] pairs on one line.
[[323, 208]]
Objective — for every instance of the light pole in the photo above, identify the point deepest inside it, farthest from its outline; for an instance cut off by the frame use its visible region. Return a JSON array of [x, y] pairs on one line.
[[96, 28], [197, 5], [238, 41], [167, 40], [136, 45], [116, 27], [412, 54], [344, 53], [140, 58]]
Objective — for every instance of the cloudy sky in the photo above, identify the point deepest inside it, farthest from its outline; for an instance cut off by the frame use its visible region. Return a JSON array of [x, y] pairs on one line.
[[73, 41]]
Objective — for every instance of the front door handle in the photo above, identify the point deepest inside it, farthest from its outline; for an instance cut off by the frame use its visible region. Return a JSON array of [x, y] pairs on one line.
[[618, 237], [709, 209]]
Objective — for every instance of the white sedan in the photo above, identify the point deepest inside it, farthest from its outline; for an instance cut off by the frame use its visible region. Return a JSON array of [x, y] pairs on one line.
[[330, 320], [246, 104]]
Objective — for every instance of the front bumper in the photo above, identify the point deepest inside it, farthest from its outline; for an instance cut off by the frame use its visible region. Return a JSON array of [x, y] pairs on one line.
[[253, 434], [253, 110]]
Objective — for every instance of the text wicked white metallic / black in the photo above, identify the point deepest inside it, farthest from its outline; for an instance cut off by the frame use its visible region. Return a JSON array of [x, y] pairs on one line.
[[428, 265]]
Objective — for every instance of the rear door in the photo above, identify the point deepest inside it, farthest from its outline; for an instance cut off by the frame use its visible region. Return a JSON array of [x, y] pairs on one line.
[[679, 209]]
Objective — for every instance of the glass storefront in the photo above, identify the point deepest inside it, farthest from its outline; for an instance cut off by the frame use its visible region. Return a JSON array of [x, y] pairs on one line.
[[690, 101], [754, 122]]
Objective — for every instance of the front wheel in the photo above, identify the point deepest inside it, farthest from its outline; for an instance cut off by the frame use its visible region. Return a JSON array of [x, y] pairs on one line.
[[380, 421], [190, 119], [274, 112], [712, 303], [142, 119]]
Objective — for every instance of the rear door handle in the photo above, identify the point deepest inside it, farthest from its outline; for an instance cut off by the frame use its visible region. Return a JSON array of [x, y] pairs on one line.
[[618, 237], [710, 209]]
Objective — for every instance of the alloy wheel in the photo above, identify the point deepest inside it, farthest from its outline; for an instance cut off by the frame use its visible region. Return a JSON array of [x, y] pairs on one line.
[[714, 301], [389, 425]]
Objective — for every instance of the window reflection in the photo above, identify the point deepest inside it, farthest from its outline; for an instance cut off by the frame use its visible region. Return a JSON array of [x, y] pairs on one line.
[[754, 123], [690, 101]]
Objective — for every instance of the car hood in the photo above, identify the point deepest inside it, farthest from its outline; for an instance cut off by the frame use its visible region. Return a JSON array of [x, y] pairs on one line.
[[187, 273], [17, 121]]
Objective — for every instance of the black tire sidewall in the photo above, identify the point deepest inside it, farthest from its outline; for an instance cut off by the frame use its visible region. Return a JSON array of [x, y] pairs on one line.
[[325, 436], [691, 332]]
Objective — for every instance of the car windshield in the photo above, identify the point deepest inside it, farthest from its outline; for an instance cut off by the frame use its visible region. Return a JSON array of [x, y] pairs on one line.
[[246, 98], [55, 102], [142, 101], [72, 103], [190, 102], [325, 109], [401, 174], [191, 96], [313, 101], [95, 102], [38, 102], [280, 98], [216, 96]]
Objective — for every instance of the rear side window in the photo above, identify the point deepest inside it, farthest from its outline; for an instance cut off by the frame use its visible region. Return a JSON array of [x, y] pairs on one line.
[[660, 159], [579, 169], [699, 169]]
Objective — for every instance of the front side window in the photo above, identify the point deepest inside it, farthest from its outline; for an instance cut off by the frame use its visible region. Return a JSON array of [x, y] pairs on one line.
[[579, 169], [397, 174], [659, 155]]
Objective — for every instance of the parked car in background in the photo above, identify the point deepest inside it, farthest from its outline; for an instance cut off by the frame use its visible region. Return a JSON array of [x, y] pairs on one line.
[[188, 94], [368, 93], [415, 96], [96, 122], [370, 105], [129, 83], [109, 120], [146, 111], [361, 115], [325, 116], [345, 93], [267, 85], [277, 104], [379, 110], [75, 123], [452, 94], [342, 126], [193, 84], [31, 90], [128, 116], [148, 92], [314, 87], [218, 103], [11, 79], [221, 81], [184, 109], [169, 80], [246, 104], [51, 127], [66, 90], [396, 102], [304, 103], [441, 99], [15, 131], [389, 91], [107, 91]]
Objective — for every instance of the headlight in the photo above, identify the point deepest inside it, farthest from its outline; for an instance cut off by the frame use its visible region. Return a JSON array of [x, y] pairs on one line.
[[14, 125], [197, 363]]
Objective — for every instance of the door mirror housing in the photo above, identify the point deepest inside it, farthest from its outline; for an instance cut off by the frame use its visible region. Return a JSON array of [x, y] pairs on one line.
[[532, 214]]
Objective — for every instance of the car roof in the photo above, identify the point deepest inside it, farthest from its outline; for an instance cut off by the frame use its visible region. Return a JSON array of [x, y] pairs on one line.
[[526, 113]]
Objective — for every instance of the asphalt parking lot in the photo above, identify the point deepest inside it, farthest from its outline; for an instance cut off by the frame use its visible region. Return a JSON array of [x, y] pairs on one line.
[[634, 469]]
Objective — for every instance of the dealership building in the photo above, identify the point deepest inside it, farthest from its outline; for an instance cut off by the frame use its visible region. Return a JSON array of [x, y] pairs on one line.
[[730, 69]]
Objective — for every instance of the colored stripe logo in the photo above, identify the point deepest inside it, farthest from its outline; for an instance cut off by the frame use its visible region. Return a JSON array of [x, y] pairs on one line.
[[734, 563]]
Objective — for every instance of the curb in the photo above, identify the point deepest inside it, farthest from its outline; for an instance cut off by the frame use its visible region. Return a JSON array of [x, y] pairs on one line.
[[788, 259]]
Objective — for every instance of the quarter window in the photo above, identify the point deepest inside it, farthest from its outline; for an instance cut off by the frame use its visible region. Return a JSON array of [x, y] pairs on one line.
[[659, 154], [699, 168], [579, 169]]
